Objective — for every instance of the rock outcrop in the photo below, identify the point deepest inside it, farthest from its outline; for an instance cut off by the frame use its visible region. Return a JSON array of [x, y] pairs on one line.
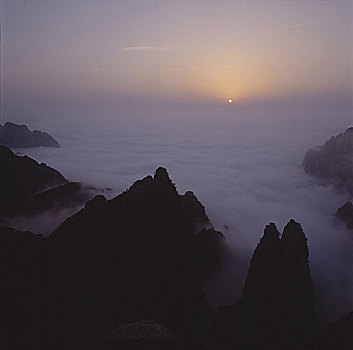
[[276, 310], [345, 213], [19, 136], [333, 162]]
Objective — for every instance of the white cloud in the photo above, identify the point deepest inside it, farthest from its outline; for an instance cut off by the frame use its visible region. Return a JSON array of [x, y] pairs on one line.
[[245, 169]]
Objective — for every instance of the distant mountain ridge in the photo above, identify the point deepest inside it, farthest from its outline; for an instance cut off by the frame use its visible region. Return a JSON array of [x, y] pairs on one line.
[[19, 136], [333, 163]]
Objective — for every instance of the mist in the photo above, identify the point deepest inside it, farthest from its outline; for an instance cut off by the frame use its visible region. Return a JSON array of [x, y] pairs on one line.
[[244, 167]]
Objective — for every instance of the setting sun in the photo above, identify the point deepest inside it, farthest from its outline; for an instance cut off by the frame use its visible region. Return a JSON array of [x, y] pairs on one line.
[[230, 101]]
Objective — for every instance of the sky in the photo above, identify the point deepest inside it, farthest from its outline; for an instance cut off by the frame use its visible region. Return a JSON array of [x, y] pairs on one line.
[[80, 55]]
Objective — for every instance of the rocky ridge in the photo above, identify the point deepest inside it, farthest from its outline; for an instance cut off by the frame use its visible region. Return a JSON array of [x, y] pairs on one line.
[[137, 256]]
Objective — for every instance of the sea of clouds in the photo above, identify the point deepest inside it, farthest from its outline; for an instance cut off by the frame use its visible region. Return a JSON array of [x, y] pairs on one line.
[[245, 168]]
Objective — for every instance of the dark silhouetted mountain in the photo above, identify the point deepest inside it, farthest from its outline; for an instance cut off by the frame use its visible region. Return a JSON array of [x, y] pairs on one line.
[[333, 162], [262, 277], [295, 290], [338, 335], [19, 136], [276, 310], [21, 178], [135, 257]]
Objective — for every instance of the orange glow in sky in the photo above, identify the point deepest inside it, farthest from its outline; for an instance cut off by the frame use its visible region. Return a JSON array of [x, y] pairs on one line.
[[200, 49]]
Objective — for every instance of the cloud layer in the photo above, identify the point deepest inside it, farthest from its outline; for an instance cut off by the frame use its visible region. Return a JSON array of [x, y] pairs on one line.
[[244, 167]]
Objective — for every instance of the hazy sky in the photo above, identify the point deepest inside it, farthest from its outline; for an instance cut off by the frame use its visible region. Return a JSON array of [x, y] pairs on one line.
[[110, 52], [106, 56]]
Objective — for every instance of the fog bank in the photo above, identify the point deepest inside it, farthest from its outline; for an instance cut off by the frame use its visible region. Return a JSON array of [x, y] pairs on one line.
[[245, 168]]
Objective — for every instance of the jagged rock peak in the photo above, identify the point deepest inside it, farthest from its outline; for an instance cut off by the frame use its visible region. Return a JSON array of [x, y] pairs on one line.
[[278, 292], [293, 232], [263, 265], [161, 177], [161, 174], [271, 232]]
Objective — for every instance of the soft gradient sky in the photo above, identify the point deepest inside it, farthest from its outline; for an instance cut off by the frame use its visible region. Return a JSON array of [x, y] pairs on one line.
[[107, 53], [163, 72]]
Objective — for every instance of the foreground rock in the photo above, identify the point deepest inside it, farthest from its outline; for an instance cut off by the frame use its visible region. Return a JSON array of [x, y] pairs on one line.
[[19, 136], [333, 162], [277, 307], [135, 257]]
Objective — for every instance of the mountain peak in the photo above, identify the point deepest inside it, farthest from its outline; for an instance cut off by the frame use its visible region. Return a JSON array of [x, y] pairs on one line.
[[161, 174], [293, 232], [271, 231], [162, 179]]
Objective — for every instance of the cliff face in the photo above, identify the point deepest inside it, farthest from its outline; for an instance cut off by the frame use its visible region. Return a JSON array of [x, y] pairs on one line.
[[131, 258], [333, 161], [277, 304], [19, 136]]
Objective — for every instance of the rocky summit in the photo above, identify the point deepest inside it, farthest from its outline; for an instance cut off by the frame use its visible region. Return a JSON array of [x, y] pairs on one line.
[[277, 304]]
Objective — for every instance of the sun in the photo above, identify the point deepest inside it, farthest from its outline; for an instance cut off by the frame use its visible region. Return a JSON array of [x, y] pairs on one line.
[[230, 101]]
